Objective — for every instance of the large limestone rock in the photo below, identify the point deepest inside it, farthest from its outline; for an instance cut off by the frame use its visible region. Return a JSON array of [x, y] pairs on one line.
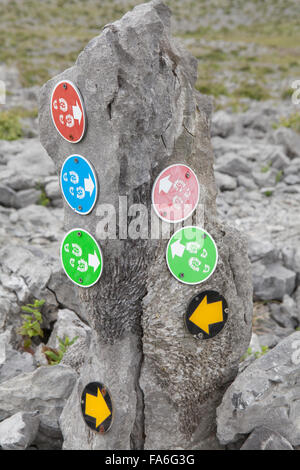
[[44, 390], [144, 114], [19, 431], [266, 394]]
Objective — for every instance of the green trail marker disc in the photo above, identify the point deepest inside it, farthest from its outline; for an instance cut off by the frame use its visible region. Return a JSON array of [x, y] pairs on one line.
[[192, 255], [81, 257]]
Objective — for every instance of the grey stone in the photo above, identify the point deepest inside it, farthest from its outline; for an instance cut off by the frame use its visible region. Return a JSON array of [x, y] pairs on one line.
[[284, 315], [272, 281], [225, 182], [19, 181], [66, 293], [15, 284], [76, 354], [68, 325], [266, 394], [40, 357], [52, 190], [144, 113], [292, 179], [252, 352], [263, 179], [19, 431], [256, 120], [233, 165], [276, 158], [46, 390], [262, 250], [268, 340], [289, 307], [12, 362], [27, 197], [222, 124], [263, 438], [288, 139], [297, 297], [293, 168], [33, 268], [8, 196], [246, 182], [31, 160]]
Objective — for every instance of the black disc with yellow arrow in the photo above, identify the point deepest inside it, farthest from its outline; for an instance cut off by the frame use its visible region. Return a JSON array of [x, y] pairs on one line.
[[96, 407], [206, 314]]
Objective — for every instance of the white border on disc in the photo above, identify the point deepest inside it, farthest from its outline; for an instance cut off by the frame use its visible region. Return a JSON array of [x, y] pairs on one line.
[[61, 260], [96, 180], [217, 257], [82, 105], [152, 194]]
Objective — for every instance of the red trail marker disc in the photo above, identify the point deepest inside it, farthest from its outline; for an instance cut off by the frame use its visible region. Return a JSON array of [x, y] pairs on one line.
[[68, 112]]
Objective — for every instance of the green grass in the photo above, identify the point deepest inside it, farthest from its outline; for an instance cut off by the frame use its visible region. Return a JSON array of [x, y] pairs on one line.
[[279, 176], [292, 122], [266, 168], [10, 122], [211, 88], [252, 91], [10, 126], [43, 38]]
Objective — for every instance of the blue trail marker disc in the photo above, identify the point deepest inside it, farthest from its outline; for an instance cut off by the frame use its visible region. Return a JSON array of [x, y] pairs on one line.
[[79, 184]]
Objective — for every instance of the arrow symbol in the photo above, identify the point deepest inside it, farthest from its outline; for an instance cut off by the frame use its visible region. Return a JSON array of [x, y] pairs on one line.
[[94, 261], [77, 113], [177, 249], [96, 407], [89, 185], [207, 314], [165, 184]]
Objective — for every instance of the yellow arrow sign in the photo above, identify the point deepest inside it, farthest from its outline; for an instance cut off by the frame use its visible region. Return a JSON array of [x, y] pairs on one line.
[[207, 314], [96, 407]]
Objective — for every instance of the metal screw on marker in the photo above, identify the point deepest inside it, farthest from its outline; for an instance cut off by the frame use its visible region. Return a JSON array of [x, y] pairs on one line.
[[80, 280], [75, 160], [65, 86], [187, 175], [103, 391], [181, 275], [79, 234], [71, 137], [80, 208]]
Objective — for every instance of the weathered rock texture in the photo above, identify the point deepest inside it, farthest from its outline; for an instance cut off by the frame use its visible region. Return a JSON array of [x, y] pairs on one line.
[[144, 114], [266, 394]]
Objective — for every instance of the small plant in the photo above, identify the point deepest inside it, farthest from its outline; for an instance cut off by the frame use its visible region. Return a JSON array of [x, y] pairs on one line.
[[247, 354], [279, 176], [54, 356], [257, 354], [212, 88], [32, 322], [268, 193], [10, 127], [43, 199], [254, 92], [266, 168], [292, 122], [264, 350]]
